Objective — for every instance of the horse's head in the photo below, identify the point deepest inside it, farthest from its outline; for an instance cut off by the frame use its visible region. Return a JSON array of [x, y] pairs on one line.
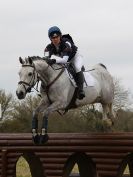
[[28, 77]]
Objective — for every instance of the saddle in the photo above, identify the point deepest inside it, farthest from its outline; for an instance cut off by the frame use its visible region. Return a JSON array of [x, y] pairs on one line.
[[88, 78]]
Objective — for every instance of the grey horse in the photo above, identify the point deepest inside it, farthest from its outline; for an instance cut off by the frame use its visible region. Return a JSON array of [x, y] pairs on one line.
[[57, 91]]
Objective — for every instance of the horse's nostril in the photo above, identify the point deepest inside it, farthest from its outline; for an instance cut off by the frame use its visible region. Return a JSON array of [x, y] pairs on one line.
[[20, 94]]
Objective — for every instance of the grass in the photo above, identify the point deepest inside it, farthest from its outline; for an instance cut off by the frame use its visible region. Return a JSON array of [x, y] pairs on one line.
[[23, 170], [75, 169], [126, 170]]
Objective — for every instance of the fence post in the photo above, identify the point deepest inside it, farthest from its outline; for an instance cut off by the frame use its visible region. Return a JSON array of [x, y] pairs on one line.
[[4, 162]]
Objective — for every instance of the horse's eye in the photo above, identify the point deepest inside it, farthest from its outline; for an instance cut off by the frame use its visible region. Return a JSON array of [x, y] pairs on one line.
[[30, 74]]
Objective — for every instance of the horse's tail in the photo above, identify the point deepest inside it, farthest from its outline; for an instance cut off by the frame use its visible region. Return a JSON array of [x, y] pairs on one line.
[[103, 65]]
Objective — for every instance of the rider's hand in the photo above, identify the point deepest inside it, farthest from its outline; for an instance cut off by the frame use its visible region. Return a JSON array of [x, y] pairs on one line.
[[51, 61]]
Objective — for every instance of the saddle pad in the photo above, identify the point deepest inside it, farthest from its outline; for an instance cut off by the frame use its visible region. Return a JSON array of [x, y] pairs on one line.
[[89, 79]]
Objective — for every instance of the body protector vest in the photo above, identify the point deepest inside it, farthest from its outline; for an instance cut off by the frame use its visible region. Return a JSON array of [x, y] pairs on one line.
[[66, 48]]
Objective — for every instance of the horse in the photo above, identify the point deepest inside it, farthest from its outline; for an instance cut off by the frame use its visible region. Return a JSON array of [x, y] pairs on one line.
[[57, 91]]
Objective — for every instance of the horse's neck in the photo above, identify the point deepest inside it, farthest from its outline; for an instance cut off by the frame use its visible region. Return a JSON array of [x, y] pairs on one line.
[[49, 76], [47, 73]]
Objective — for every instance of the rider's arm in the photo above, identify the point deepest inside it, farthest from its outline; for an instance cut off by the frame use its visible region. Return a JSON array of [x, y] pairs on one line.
[[65, 54], [63, 59]]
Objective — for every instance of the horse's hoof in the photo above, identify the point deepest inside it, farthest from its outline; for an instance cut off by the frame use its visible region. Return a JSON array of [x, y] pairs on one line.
[[36, 139], [44, 138]]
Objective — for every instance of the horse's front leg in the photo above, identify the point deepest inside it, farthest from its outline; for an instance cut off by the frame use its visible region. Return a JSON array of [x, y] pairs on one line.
[[53, 107], [35, 136], [44, 136]]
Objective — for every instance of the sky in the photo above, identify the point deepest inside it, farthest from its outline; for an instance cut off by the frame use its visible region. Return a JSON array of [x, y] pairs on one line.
[[102, 30]]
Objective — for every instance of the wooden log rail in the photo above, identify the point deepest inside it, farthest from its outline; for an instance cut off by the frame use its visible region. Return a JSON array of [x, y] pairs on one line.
[[97, 155]]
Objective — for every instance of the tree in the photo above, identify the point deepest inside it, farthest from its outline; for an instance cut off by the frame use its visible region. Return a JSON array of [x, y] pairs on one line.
[[23, 111], [7, 104], [21, 116], [85, 119], [121, 96]]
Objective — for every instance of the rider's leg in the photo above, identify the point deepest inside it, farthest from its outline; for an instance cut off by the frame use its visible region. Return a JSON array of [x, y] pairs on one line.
[[80, 81], [79, 78]]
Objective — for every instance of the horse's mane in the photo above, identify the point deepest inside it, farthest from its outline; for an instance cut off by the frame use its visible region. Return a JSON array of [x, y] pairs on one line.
[[34, 58], [37, 58]]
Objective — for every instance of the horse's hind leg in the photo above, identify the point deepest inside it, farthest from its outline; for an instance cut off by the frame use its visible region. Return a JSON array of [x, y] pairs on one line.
[[53, 107], [111, 112], [105, 115]]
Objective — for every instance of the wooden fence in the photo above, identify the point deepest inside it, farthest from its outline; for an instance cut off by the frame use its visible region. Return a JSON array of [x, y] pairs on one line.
[[97, 155]]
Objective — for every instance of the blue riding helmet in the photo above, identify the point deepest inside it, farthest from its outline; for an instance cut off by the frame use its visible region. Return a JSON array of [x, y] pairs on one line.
[[54, 31]]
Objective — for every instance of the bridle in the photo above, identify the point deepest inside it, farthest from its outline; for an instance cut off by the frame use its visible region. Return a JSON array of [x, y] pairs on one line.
[[35, 74], [30, 86]]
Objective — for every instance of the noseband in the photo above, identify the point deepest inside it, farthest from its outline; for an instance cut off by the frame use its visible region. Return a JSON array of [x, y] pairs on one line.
[[28, 84]]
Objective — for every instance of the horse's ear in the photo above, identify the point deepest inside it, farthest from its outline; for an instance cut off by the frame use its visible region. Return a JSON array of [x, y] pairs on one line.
[[30, 60], [21, 60]]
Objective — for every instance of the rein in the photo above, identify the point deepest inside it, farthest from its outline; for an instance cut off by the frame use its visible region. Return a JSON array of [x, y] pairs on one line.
[[51, 83]]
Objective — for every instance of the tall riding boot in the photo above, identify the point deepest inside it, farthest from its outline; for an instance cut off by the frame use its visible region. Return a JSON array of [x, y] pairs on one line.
[[80, 81]]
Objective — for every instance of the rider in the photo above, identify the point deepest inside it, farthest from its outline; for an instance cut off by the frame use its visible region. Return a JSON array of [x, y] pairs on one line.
[[62, 50]]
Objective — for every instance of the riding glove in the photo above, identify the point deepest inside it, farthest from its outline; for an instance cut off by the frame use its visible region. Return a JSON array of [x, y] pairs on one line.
[[51, 61]]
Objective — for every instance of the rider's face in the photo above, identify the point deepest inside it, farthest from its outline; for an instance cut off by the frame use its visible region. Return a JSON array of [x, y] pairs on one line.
[[56, 40]]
